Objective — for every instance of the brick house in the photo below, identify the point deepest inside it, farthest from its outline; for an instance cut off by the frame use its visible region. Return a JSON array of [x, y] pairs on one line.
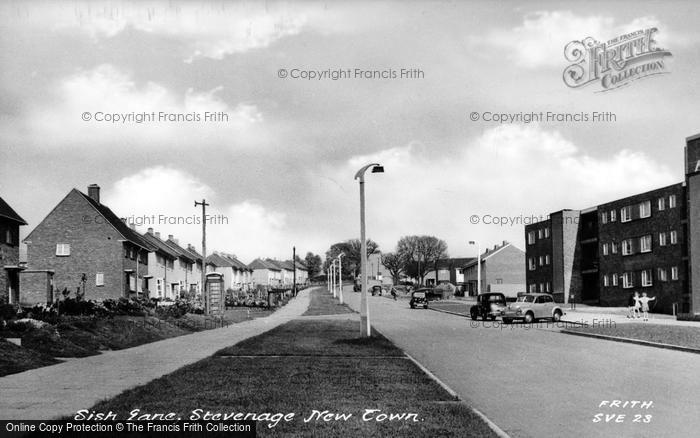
[[502, 270], [266, 273], [183, 272], [87, 246], [161, 263], [10, 222]]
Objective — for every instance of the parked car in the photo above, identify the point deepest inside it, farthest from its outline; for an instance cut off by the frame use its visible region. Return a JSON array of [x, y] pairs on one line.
[[488, 305], [419, 298], [377, 290], [531, 307]]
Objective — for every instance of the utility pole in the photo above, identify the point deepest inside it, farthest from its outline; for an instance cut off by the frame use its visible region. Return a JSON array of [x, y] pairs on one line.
[[207, 304], [294, 264]]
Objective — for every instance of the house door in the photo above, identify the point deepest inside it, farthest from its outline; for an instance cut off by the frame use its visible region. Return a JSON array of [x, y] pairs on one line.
[[13, 285]]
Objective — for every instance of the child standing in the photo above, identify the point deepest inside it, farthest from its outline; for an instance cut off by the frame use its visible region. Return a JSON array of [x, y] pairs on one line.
[[644, 300]]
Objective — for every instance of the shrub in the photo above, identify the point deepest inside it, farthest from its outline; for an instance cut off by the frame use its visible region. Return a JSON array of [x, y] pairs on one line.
[[687, 317]]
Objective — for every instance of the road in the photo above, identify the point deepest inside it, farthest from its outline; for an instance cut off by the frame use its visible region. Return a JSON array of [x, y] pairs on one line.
[[539, 382]]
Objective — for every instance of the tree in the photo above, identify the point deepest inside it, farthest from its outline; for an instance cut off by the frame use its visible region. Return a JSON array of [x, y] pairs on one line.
[[313, 264], [420, 254], [396, 265], [351, 259]]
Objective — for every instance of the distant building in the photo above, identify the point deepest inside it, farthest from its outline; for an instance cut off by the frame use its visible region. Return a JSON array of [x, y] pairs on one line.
[[10, 222], [266, 273], [449, 270], [502, 270], [647, 243], [237, 275], [161, 265], [89, 248]]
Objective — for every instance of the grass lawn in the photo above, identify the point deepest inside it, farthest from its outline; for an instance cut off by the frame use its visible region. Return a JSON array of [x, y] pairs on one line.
[[323, 303], [308, 365], [14, 359], [666, 334]]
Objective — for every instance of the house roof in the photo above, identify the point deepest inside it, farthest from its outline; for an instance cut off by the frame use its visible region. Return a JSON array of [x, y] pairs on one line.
[[160, 246], [455, 262], [488, 253], [194, 253], [8, 213], [123, 229], [263, 264], [238, 264], [181, 252], [227, 261]]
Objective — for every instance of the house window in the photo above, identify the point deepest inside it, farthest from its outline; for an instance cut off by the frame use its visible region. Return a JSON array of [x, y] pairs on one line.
[[531, 237], [625, 214], [662, 274], [159, 287], [614, 279], [499, 281], [613, 215], [132, 282], [672, 201], [645, 243], [614, 247], [531, 262], [662, 239], [662, 203], [627, 281], [605, 249], [646, 278], [674, 273], [606, 281], [604, 217], [674, 237], [8, 237], [546, 232], [546, 259], [100, 279], [645, 209], [627, 247], [62, 249]]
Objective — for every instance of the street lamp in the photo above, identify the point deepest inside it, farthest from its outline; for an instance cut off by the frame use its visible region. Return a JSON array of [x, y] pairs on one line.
[[340, 276], [478, 266], [365, 330], [333, 277]]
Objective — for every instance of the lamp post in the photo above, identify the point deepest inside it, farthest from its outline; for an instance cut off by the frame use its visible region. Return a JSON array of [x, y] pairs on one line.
[[478, 266], [365, 330], [340, 277], [333, 277]]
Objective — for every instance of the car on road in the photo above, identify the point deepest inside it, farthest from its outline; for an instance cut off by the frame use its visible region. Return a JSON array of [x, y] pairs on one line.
[[419, 298], [377, 290], [530, 307], [488, 305]]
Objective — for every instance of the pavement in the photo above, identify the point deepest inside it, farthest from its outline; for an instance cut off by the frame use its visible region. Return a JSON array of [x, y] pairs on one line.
[[535, 382], [61, 390]]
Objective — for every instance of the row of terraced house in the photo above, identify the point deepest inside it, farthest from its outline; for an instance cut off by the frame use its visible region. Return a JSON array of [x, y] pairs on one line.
[[81, 245]]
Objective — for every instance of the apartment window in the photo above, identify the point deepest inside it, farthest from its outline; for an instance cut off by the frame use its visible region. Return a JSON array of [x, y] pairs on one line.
[[662, 274], [62, 249], [674, 237], [674, 273], [540, 233], [645, 243], [613, 215], [614, 247], [546, 259], [662, 203], [625, 214], [533, 288], [499, 281], [604, 217], [541, 287], [546, 232], [614, 279], [672, 201], [627, 247], [606, 281], [541, 260], [531, 237], [605, 249], [531, 262], [627, 280], [662, 239], [646, 278], [100, 279], [549, 289], [645, 209]]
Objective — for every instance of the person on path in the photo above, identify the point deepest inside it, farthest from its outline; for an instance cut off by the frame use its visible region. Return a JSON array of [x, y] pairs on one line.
[[644, 300], [632, 308]]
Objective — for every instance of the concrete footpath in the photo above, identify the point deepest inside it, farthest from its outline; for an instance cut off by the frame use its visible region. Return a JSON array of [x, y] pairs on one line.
[[61, 390]]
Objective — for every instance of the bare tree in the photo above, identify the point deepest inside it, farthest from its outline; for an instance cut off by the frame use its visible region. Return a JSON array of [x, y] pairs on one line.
[[421, 253], [395, 264]]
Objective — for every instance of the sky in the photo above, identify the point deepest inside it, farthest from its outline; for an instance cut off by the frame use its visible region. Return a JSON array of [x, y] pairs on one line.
[[279, 170]]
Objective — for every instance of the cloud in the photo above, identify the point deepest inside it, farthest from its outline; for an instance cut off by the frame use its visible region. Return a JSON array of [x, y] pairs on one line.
[[511, 171], [163, 198], [540, 39], [123, 112]]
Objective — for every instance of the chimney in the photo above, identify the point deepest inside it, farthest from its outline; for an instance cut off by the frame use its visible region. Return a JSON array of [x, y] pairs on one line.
[[94, 192], [495, 247], [505, 242], [132, 225], [158, 234], [170, 237], [150, 230]]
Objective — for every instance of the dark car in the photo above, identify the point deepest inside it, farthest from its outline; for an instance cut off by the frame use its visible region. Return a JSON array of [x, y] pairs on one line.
[[419, 298], [377, 290], [489, 305]]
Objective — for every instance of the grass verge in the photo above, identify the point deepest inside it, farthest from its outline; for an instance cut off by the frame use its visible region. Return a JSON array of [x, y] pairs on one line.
[[322, 303], [666, 334], [305, 366]]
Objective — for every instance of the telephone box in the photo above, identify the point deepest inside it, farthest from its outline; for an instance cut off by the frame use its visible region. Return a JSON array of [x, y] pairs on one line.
[[215, 293]]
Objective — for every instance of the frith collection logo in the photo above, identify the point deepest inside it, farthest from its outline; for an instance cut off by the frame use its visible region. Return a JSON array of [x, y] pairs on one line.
[[615, 63]]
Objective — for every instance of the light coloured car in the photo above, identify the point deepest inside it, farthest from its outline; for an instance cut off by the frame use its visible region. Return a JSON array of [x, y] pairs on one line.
[[531, 307]]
